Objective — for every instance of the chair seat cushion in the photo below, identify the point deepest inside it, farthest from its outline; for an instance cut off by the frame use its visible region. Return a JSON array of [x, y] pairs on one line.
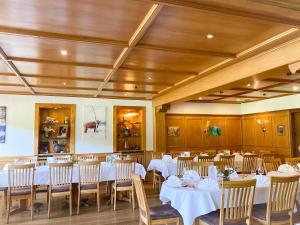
[[59, 189], [123, 183], [260, 210], [213, 218], [20, 192], [163, 212], [88, 186]]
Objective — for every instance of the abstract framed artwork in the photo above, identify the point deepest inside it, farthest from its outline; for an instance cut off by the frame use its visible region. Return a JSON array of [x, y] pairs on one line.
[[173, 131], [215, 131], [280, 130], [2, 124], [94, 121]]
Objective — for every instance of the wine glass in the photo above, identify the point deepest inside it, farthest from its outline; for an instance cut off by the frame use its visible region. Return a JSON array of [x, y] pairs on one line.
[[260, 171]]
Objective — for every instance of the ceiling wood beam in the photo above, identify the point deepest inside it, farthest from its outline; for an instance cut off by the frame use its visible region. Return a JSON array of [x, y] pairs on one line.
[[213, 7], [135, 38], [59, 36], [282, 91], [145, 70], [281, 55], [186, 51], [47, 61], [14, 69]]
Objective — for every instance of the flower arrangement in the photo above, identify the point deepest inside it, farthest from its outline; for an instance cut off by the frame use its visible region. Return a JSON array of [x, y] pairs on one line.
[[226, 173], [112, 157]]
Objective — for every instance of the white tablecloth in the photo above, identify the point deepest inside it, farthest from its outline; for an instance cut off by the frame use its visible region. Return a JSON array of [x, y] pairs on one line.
[[167, 168], [41, 177], [194, 202]]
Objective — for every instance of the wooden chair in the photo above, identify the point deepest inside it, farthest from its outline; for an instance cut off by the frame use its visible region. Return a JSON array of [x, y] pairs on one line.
[[88, 180], [236, 204], [249, 163], [175, 154], [87, 157], [27, 159], [202, 168], [292, 161], [184, 163], [205, 158], [161, 214], [271, 165], [62, 158], [210, 152], [229, 159], [60, 182], [264, 152], [123, 181], [20, 185], [267, 156], [157, 177], [220, 164], [281, 202]]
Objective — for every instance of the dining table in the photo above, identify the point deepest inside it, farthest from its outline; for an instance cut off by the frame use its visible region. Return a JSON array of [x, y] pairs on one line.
[[41, 176], [192, 202], [169, 167]]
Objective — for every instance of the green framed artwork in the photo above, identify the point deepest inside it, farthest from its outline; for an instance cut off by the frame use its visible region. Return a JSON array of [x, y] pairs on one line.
[[215, 131]]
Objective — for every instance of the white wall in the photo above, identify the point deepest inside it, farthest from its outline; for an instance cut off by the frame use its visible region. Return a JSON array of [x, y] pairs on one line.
[[274, 104], [205, 108], [20, 123]]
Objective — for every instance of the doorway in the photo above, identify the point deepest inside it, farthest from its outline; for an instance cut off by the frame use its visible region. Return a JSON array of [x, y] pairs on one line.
[[296, 133]]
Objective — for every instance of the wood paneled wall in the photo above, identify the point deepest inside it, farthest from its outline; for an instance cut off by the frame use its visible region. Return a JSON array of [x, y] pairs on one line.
[[237, 132], [194, 133]]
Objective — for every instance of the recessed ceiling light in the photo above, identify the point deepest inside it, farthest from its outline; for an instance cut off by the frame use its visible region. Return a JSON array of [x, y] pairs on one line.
[[149, 78], [295, 88], [249, 85], [210, 36], [200, 98], [64, 83], [63, 52], [238, 100], [126, 94]]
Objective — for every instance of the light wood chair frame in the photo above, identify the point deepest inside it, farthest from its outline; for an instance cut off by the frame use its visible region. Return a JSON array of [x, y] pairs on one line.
[[20, 178], [220, 164], [184, 163], [292, 161], [88, 174], [60, 176], [202, 168], [205, 158], [62, 158], [123, 172], [157, 177], [229, 159], [249, 163], [210, 152], [271, 165], [282, 198], [144, 211]]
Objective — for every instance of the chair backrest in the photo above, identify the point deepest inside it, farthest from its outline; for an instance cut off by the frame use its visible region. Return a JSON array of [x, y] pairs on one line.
[[157, 155], [229, 159], [205, 158], [62, 158], [175, 154], [141, 198], [267, 156], [88, 172], [123, 170], [292, 161], [220, 164], [27, 159], [210, 152], [60, 174], [202, 168], [237, 200], [86, 157], [271, 164], [20, 177], [264, 152], [249, 163], [184, 163], [282, 194]]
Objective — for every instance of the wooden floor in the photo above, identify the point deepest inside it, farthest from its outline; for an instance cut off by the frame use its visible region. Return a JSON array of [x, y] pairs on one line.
[[124, 215]]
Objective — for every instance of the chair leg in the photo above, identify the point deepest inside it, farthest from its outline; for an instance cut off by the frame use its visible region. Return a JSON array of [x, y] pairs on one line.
[[5, 201], [32, 204], [98, 199], [70, 203], [49, 204], [291, 218], [132, 197], [115, 198], [7, 210], [78, 201]]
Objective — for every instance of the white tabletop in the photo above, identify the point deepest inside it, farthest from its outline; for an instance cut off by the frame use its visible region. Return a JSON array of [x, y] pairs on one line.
[[41, 177], [194, 202]]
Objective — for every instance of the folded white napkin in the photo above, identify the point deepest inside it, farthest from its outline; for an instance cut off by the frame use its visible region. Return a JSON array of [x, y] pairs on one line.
[[212, 172], [166, 158], [174, 181], [204, 154], [191, 175], [286, 168], [234, 175], [175, 160], [207, 183], [262, 180]]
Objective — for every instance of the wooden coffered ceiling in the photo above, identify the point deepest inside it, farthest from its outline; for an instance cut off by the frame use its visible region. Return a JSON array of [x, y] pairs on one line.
[[141, 49]]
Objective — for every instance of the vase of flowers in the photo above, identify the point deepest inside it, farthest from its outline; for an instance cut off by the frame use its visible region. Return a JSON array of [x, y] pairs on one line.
[[225, 173]]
